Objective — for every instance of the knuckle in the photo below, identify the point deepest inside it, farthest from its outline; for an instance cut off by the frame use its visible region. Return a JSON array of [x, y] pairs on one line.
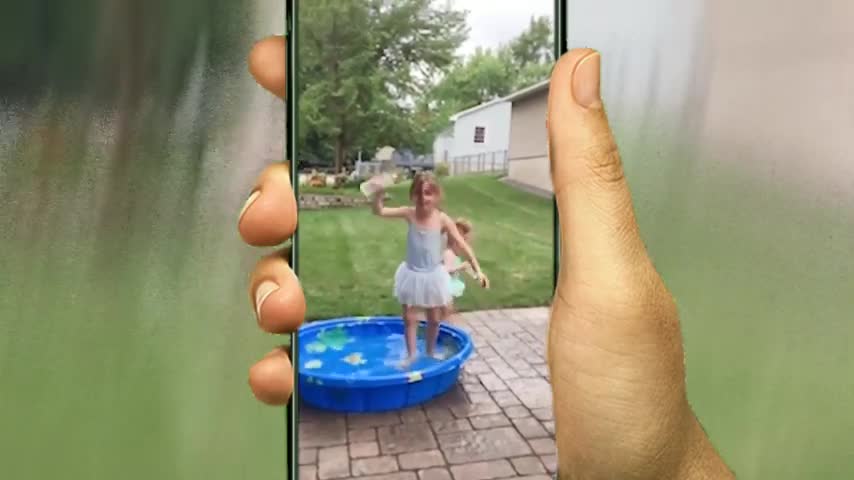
[[601, 158], [635, 289]]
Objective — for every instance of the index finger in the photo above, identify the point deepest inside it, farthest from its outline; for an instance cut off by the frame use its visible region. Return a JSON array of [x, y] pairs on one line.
[[267, 64]]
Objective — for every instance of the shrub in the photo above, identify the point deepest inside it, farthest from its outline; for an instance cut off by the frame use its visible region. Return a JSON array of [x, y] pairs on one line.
[[317, 180], [442, 169], [340, 180]]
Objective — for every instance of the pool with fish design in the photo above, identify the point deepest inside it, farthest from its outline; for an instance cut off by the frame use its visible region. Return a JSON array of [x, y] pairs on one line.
[[353, 364]]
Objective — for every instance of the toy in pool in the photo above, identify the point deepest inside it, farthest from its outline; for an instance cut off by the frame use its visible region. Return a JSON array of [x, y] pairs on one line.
[[352, 364]]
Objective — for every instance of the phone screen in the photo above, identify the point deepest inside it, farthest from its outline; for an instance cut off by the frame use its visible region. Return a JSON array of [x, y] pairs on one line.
[[426, 238]]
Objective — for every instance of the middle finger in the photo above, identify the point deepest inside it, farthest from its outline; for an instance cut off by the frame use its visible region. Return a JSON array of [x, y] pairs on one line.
[[276, 294]]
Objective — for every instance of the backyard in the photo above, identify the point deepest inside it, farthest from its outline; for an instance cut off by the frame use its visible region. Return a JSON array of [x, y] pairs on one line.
[[353, 254]]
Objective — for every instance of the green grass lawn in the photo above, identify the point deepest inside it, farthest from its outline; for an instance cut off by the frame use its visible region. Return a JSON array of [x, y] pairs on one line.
[[350, 255]]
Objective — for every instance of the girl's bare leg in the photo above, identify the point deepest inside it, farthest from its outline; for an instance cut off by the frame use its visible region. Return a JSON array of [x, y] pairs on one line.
[[410, 321], [434, 318], [449, 314]]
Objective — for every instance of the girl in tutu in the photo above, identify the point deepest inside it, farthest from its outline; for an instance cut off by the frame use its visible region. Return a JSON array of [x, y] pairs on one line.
[[422, 282], [455, 265]]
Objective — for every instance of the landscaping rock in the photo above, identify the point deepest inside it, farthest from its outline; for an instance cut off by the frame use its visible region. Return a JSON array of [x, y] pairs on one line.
[[311, 201]]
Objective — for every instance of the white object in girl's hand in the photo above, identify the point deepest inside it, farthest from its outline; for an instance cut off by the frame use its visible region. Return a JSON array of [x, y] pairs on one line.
[[375, 184]]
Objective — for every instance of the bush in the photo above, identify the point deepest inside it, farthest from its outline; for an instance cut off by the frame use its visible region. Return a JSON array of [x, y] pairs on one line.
[[340, 180], [317, 180], [442, 169]]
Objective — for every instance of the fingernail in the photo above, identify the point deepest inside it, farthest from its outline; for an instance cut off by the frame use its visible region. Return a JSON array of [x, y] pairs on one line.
[[249, 201], [585, 81], [264, 290]]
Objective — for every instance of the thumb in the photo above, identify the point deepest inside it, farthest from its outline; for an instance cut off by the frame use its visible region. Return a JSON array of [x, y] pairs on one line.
[[598, 231]]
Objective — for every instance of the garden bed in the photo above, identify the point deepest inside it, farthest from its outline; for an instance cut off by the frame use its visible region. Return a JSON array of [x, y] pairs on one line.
[[313, 201]]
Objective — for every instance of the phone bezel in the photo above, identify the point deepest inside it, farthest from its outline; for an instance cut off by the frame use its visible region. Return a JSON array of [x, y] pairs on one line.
[[291, 71], [291, 125], [560, 47]]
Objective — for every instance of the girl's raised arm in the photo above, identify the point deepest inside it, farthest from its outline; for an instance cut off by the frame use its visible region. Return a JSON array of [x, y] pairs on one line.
[[381, 210]]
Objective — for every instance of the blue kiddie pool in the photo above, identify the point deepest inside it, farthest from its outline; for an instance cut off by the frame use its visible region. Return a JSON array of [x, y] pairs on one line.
[[353, 364]]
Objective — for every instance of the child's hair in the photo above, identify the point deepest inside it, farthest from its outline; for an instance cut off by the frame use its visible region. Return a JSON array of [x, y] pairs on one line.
[[464, 226], [421, 180]]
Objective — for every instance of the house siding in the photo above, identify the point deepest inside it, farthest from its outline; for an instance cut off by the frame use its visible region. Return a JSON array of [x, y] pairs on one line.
[[494, 118], [528, 151], [443, 147]]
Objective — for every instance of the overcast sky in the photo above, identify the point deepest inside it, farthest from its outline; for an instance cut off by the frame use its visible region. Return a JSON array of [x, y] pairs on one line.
[[493, 22]]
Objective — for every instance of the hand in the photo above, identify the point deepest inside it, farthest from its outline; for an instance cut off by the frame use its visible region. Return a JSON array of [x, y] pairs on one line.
[[268, 219], [615, 350], [482, 278], [614, 345]]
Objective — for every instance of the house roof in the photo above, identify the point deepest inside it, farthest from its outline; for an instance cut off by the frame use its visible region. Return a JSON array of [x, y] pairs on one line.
[[527, 91], [475, 108], [515, 96]]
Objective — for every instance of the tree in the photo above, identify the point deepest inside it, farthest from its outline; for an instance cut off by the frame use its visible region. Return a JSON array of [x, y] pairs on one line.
[[361, 61], [534, 45], [486, 75], [482, 77]]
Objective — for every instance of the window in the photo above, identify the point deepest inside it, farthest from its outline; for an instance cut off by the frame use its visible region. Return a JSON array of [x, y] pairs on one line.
[[479, 134]]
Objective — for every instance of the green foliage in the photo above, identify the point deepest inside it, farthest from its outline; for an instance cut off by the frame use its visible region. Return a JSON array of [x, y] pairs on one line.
[[486, 75], [442, 169], [359, 61], [534, 45], [375, 73]]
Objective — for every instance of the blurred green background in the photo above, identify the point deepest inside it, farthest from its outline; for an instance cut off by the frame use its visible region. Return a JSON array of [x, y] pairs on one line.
[[734, 121], [130, 135]]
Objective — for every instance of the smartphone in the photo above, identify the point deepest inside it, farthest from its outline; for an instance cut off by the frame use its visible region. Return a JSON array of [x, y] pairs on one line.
[[418, 155], [291, 109]]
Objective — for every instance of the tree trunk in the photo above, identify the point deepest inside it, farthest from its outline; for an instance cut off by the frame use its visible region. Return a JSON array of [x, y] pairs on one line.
[[339, 153]]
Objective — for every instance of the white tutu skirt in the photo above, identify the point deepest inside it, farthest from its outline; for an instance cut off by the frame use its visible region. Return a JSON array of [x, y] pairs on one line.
[[422, 289]]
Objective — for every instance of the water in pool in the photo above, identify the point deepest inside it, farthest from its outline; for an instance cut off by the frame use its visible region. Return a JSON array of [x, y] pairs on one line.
[[367, 351]]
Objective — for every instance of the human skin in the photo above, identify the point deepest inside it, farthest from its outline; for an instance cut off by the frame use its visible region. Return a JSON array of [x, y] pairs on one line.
[[614, 344]]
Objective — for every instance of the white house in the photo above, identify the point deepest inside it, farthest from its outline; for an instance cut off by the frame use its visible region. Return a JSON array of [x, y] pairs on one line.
[[443, 145], [505, 134], [482, 129], [528, 157]]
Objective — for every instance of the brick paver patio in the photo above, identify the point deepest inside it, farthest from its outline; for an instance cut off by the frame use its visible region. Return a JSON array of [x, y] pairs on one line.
[[496, 423]]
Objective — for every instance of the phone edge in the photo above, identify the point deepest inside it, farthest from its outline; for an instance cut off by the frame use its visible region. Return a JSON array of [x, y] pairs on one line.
[[292, 408], [560, 47]]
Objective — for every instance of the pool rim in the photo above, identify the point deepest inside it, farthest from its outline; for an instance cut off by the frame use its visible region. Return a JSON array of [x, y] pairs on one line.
[[404, 377]]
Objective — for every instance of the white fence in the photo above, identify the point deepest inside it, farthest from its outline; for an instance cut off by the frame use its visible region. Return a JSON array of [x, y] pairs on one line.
[[366, 169], [487, 162]]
